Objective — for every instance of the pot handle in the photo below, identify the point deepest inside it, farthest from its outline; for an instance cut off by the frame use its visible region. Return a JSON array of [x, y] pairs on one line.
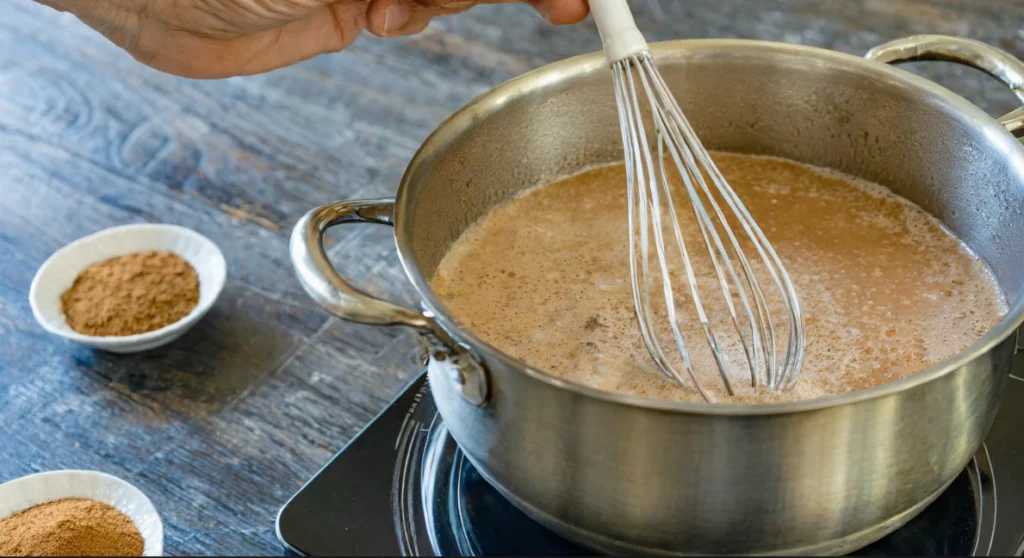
[[976, 54], [325, 285], [339, 297]]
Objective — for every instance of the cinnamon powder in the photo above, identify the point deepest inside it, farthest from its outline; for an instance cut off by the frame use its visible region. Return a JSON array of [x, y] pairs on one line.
[[131, 294], [70, 527]]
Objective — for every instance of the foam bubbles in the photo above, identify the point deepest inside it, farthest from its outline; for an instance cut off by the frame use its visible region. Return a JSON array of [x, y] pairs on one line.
[[886, 290]]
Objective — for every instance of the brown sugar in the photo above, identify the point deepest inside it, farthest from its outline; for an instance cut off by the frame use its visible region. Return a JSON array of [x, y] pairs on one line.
[[131, 294], [70, 527]]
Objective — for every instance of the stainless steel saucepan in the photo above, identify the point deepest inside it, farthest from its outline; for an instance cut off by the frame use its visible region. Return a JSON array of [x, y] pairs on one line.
[[626, 474]]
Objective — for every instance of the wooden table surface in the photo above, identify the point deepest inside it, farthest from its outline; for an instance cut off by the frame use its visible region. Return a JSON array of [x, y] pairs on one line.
[[221, 427]]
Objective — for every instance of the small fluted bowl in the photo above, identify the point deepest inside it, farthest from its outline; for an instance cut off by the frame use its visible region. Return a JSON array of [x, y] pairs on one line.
[[21, 494], [60, 270]]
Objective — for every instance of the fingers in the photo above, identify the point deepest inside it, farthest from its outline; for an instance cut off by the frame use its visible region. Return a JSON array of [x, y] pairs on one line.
[[330, 28], [394, 18], [561, 12], [456, 5]]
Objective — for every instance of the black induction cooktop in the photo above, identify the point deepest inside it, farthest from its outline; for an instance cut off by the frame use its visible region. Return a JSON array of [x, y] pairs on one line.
[[402, 486]]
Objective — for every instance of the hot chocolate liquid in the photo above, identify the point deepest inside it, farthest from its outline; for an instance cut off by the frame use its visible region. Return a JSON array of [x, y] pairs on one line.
[[886, 291]]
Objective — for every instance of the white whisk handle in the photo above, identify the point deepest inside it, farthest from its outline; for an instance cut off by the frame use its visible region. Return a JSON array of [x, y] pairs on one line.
[[619, 34]]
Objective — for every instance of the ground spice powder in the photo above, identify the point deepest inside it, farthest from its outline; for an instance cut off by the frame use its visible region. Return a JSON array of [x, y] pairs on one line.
[[70, 527], [131, 294]]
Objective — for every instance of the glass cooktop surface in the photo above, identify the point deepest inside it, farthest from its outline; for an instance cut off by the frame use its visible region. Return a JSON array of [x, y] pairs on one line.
[[402, 486]]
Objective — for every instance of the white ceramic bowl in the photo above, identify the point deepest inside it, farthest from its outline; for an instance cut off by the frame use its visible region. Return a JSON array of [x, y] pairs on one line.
[[20, 494], [59, 271]]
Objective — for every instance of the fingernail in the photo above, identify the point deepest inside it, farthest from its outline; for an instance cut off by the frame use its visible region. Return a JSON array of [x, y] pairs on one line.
[[395, 17]]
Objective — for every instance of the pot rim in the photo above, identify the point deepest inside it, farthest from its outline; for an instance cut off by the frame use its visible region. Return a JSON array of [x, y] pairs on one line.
[[494, 99]]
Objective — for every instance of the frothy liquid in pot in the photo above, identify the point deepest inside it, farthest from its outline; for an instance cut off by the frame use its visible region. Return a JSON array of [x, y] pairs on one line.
[[885, 290]]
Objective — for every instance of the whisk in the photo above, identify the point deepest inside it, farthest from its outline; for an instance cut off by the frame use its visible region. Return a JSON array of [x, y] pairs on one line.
[[772, 361]]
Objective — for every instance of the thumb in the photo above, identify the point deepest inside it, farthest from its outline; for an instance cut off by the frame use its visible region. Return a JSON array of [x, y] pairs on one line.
[[561, 12]]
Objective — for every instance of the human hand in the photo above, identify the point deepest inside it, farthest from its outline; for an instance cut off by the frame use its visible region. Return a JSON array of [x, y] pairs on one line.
[[221, 38]]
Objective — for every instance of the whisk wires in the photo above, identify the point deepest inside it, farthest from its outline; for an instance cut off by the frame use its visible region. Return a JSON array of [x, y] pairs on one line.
[[652, 197]]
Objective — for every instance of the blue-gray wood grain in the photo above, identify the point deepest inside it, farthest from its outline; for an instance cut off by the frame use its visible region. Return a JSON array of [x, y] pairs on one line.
[[220, 428]]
